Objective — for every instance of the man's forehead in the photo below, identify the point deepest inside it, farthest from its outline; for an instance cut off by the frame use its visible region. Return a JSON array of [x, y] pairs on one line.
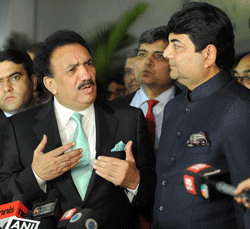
[[156, 46], [8, 67], [70, 53]]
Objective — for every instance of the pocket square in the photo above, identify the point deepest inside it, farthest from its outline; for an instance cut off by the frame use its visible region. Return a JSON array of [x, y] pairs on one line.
[[120, 146], [198, 139]]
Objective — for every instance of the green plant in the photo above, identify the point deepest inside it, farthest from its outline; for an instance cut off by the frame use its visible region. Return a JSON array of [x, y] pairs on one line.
[[108, 40]]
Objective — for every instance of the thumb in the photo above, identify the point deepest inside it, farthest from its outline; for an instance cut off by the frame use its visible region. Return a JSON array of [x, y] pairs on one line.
[[242, 186], [129, 153], [41, 146]]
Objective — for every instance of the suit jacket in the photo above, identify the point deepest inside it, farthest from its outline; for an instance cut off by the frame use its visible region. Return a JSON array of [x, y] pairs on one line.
[[220, 108], [26, 130]]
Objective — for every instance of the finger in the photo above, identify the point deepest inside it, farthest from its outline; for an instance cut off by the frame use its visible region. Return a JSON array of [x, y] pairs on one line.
[[109, 160], [62, 149], [42, 144], [71, 156], [108, 167], [129, 153], [105, 176]]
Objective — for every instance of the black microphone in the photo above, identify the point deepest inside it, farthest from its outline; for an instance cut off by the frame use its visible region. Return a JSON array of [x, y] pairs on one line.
[[64, 221], [210, 183], [49, 211], [86, 218]]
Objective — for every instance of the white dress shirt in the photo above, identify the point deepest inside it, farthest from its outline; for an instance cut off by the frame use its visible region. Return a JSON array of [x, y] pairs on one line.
[[140, 101], [66, 127]]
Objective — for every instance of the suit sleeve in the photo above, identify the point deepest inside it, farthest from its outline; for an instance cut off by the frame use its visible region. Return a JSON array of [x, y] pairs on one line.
[[236, 147], [14, 177], [145, 162]]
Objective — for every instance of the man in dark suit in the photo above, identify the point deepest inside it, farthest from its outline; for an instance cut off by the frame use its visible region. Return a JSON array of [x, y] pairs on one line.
[[122, 180], [152, 73], [201, 53], [17, 81]]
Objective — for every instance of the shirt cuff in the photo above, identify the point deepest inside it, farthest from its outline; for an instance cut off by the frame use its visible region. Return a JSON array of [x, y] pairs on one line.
[[131, 192], [41, 183]]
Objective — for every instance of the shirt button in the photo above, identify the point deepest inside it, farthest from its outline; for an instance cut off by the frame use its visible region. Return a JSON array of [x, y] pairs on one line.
[[161, 208], [173, 159], [188, 110], [164, 183], [179, 134]]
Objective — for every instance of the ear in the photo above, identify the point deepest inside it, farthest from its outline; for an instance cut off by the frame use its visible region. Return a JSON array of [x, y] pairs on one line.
[[34, 82], [50, 84], [210, 53]]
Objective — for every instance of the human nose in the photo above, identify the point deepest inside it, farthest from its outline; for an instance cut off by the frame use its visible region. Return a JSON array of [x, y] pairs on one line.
[[7, 86], [84, 73], [168, 52], [149, 60]]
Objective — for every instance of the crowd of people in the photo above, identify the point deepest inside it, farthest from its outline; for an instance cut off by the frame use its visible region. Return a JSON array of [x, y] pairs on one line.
[[183, 103]]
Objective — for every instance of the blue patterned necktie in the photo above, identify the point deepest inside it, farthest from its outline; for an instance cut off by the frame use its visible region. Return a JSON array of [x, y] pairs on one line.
[[81, 173]]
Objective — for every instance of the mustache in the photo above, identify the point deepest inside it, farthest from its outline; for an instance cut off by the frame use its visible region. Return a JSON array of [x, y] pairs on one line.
[[86, 83]]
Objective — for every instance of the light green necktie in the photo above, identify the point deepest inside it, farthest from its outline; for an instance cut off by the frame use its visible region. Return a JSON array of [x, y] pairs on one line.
[[81, 173]]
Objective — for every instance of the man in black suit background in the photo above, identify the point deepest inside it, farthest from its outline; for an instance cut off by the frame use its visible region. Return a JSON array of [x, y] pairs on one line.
[[37, 143], [17, 82], [214, 108], [152, 73]]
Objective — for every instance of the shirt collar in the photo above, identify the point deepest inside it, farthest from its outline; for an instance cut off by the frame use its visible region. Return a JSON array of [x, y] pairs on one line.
[[65, 113], [140, 97], [209, 87]]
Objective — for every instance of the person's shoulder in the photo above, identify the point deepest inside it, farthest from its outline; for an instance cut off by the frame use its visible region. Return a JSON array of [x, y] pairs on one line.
[[29, 114], [234, 91], [123, 101]]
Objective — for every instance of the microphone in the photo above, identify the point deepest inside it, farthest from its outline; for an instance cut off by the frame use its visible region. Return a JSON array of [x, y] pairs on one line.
[[49, 211], [13, 209], [63, 222], [210, 183], [86, 218], [20, 223]]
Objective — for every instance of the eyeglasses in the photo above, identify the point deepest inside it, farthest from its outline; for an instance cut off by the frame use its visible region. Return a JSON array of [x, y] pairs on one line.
[[243, 79]]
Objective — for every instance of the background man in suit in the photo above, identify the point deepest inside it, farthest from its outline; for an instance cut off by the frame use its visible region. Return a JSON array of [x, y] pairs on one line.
[[17, 82], [130, 83], [119, 178], [152, 73], [241, 70], [201, 53]]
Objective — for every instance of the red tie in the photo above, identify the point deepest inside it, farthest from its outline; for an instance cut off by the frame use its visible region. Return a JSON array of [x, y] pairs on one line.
[[150, 119]]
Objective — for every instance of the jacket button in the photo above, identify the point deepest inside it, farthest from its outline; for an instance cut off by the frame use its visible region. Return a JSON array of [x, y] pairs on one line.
[[173, 159], [179, 134], [188, 110], [161, 208], [164, 183]]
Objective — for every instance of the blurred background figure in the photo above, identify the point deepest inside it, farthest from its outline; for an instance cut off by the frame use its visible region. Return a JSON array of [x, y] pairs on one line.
[[115, 88], [241, 70], [130, 83], [17, 82], [41, 94]]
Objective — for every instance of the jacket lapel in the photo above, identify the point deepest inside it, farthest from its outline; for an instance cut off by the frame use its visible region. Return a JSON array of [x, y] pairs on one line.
[[106, 127], [47, 124]]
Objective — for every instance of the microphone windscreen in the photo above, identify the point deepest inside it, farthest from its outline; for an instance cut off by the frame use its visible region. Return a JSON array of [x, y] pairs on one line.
[[64, 221], [86, 218]]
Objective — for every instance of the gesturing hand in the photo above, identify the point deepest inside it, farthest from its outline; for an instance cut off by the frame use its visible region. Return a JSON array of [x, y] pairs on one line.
[[244, 185], [54, 163], [121, 173]]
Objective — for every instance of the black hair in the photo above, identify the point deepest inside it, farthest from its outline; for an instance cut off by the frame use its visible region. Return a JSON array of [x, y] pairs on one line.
[[206, 24], [18, 57], [43, 54], [152, 35]]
